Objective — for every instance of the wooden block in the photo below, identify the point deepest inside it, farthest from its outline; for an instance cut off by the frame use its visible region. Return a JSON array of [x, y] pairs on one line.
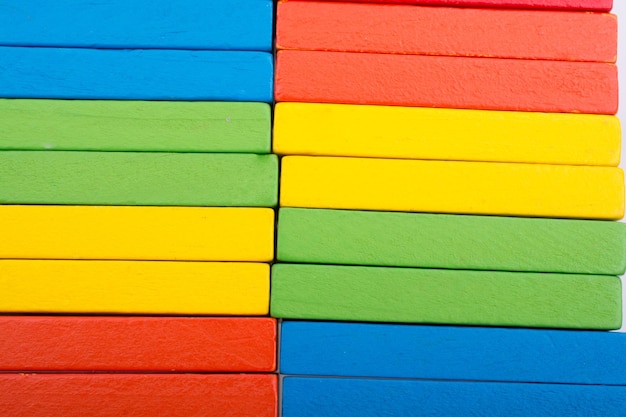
[[348, 237], [406, 29], [138, 395], [134, 287], [438, 296], [137, 344], [583, 5], [446, 134], [135, 74], [93, 125], [138, 178], [452, 353], [135, 24], [137, 233], [343, 397], [452, 187], [455, 82]]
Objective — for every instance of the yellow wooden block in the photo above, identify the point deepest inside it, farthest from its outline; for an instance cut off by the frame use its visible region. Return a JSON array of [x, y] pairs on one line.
[[134, 287], [137, 233], [446, 134], [453, 187]]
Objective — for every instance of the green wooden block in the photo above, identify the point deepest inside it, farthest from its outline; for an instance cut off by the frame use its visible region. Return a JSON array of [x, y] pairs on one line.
[[94, 125], [451, 241], [132, 178], [436, 296]]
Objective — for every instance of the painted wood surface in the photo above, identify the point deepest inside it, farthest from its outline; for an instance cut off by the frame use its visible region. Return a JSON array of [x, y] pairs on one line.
[[343, 397], [438, 296], [349, 237], [134, 287], [451, 82], [132, 24], [452, 187], [137, 344], [452, 353], [137, 233], [135, 74], [406, 29], [445, 134], [138, 178], [159, 126], [138, 395]]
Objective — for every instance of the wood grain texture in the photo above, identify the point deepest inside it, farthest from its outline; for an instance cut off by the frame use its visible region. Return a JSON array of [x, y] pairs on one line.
[[137, 233], [452, 353], [133, 395], [137, 344], [438, 296], [445, 134], [138, 178], [135, 74], [344, 397], [406, 29], [243, 25], [451, 82], [134, 287], [452, 187], [95, 125]]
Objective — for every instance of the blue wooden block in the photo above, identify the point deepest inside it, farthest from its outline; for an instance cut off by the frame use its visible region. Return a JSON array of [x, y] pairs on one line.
[[338, 397], [143, 74], [182, 24], [453, 353]]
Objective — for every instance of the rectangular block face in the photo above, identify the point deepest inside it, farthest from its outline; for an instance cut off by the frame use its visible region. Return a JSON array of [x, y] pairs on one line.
[[452, 353], [451, 82], [434, 296], [451, 241], [138, 395], [134, 287], [138, 178], [137, 233], [145, 344], [304, 397], [453, 187], [406, 29], [159, 126], [135, 74], [244, 25], [446, 134]]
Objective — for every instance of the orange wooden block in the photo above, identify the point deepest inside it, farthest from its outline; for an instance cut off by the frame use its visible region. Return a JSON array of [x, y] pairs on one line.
[[154, 344], [146, 395], [403, 29], [455, 82]]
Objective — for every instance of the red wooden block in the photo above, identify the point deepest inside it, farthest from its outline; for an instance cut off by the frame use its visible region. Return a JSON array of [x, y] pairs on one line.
[[147, 395], [447, 31], [154, 344], [453, 82]]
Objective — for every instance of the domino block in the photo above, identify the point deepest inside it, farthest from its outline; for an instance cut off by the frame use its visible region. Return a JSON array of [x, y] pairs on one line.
[[93, 125], [243, 25], [450, 241], [445, 134], [137, 344], [452, 187], [344, 397], [138, 395], [406, 29], [137, 233], [134, 287], [138, 178], [452, 82], [437, 296], [135, 74], [452, 353]]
